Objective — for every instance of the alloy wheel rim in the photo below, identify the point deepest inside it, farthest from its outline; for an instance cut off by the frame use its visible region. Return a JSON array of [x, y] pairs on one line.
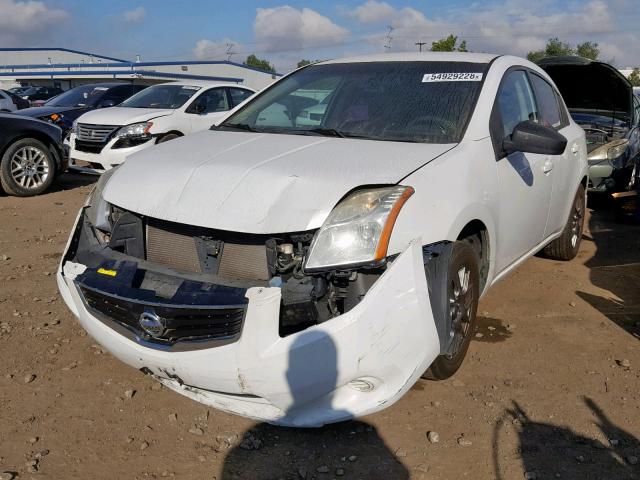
[[576, 223], [460, 308], [29, 167]]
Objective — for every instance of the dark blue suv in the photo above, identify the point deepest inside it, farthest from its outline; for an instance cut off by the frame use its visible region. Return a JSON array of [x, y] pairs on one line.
[[66, 107]]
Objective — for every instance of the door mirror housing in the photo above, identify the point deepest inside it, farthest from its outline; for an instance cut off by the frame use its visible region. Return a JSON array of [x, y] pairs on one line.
[[107, 104], [197, 108], [531, 137]]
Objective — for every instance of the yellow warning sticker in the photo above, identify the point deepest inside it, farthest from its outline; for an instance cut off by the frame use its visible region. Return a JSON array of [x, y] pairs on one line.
[[104, 271]]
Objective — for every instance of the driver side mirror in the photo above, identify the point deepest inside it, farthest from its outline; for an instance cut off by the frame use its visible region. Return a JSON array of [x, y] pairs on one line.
[[107, 104], [198, 108], [531, 137]]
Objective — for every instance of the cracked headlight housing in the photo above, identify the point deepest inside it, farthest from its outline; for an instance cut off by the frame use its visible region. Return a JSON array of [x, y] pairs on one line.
[[358, 229], [97, 208]]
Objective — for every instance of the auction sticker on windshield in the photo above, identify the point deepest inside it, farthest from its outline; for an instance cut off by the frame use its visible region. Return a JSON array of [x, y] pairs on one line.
[[452, 77]]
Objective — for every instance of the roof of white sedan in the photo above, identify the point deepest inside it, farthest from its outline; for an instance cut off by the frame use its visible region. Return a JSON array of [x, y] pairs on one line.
[[419, 57], [200, 83]]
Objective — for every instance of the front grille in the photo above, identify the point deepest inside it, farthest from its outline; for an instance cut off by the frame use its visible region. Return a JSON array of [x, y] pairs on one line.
[[89, 147], [202, 250], [181, 323], [95, 133]]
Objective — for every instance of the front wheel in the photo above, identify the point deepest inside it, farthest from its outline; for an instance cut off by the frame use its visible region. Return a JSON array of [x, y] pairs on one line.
[[167, 137], [566, 246], [27, 168], [463, 292]]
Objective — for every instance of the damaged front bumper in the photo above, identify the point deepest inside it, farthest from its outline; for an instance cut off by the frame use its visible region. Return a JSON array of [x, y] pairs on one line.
[[354, 364]]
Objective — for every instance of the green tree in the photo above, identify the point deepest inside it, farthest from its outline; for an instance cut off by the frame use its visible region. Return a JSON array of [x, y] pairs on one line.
[[634, 78], [303, 63], [449, 44], [253, 61], [588, 50], [554, 48]]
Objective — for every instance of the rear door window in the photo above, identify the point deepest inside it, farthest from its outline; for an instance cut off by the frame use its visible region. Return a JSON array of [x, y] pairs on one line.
[[548, 108]]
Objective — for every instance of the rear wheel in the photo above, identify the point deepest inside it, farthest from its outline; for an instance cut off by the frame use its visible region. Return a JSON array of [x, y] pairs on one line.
[[27, 168], [463, 291], [566, 246]]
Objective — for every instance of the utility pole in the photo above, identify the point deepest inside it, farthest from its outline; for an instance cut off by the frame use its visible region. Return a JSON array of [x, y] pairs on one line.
[[420, 44], [229, 52], [388, 37]]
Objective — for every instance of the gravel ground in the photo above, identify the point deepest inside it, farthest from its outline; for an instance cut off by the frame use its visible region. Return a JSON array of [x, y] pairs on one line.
[[549, 388]]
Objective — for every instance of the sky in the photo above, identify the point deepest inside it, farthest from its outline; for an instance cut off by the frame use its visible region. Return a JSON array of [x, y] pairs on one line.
[[284, 32]]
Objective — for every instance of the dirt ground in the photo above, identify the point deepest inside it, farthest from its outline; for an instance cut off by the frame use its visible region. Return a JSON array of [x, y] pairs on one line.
[[550, 387]]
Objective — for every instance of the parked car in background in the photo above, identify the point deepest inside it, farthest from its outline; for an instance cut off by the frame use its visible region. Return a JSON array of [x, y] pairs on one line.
[[308, 274], [601, 101], [17, 100], [313, 115], [40, 93], [30, 155], [104, 138], [8, 103], [19, 90], [64, 109]]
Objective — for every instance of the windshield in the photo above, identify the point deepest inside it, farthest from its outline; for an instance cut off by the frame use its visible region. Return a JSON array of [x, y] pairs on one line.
[[78, 97], [161, 96], [31, 91], [428, 102]]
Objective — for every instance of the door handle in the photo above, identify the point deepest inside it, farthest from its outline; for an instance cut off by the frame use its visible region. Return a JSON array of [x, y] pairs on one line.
[[548, 165], [575, 149]]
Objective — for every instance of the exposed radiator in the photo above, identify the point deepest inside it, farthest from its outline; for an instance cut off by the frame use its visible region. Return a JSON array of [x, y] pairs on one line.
[[172, 249], [187, 248], [244, 261]]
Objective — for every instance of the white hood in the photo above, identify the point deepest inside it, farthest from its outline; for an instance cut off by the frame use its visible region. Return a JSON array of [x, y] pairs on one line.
[[257, 183], [122, 115]]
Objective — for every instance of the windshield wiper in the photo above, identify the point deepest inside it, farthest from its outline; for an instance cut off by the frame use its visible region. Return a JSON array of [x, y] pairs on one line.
[[236, 126], [327, 132]]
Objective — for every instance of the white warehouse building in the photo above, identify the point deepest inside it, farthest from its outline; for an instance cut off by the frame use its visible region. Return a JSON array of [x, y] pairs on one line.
[[65, 68]]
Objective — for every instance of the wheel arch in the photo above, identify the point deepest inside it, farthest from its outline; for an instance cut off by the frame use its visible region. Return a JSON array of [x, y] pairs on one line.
[[477, 222], [42, 137], [476, 234], [170, 132]]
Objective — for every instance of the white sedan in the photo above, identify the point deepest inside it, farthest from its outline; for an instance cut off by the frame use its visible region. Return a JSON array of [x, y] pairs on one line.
[[104, 138], [7, 104], [308, 274]]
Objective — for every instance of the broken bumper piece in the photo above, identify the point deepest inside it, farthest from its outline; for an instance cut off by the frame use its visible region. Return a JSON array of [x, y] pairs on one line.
[[352, 365]]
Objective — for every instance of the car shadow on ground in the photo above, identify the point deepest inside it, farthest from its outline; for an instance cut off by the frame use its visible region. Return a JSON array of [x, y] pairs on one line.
[[615, 267], [553, 451], [66, 181], [69, 181], [270, 452]]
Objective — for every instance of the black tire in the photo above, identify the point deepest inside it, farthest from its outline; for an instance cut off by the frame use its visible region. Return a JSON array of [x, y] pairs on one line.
[[566, 246], [27, 168], [463, 305], [167, 137]]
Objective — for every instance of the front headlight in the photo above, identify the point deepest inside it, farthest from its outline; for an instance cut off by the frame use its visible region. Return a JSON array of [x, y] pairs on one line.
[[138, 130], [609, 151], [358, 229], [74, 127], [53, 118]]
